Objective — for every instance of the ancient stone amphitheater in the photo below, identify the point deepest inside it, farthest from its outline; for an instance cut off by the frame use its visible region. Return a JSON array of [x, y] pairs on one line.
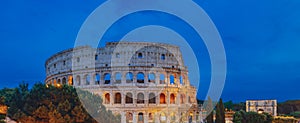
[[144, 82]]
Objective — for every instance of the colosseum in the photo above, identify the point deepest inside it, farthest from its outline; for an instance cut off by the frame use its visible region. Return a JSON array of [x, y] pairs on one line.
[[143, 82]]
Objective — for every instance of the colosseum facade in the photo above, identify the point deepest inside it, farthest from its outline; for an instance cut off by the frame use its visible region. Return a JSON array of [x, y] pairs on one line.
[[143, 82]]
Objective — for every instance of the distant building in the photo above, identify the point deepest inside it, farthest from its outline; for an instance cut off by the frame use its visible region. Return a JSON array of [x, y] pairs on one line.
[[260, 106], [229, 116]]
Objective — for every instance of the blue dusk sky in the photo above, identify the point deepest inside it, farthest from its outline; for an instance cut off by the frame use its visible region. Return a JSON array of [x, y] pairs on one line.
[[261, 40]]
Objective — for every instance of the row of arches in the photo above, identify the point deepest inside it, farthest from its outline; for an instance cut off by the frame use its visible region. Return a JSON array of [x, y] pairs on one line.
[[163, 117], [64, 81], [129, 77], [141, 99]]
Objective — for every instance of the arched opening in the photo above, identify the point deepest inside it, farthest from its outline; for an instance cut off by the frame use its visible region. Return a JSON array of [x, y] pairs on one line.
[[162, 79], [172, 117], [182, 98], [96, 57], [190, 117], [163, 117], [129, 99], [64, 81], [172, 79], [54, 82], [163, 57], [87, 79], [189, 99], [97, 79], [140, 55], [140, 98], [140, 77], [106, 78], [78, 80], [162, 99], [58, 81], [172, 99], [107, 98], [181, 80], [129, 77], [129, 117], [117, 55], [70, 80], [152, 99], [197, 116], [118, 98], [118, 77], [140, 118], [151, 117], [151, 77]]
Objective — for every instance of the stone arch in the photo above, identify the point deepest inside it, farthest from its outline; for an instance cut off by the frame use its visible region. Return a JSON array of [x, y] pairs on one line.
[[70, 80], [182, 98], [97, 79], [54, 82], [129, 117], [163, 117], [172, 98], [151, 77], [107, 78], [172, 117], [140, 55], [163, 57], [129, 77], [152, 98], [107, 98], [64, 81], [151, 116], [162, 98], [162, 79], [140, 77], [78, 81], [87, 79], [118, 98], [181, 79], [172, 79], [129, 98], [140, 98], [58, 81], [140, 117], [118, 77]]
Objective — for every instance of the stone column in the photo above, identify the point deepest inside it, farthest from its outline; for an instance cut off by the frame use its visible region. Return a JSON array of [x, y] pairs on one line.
[[123, 117], [146, 79], [194, 117], [157, 78], [111, 98], [146, 117], [168, 117], [92, 81], [134, 117], [156, 117]]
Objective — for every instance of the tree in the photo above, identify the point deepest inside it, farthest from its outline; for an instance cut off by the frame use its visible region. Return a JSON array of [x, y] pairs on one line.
[[251, 117], [49, 104], [220, 112], [41, 113], [209, 109]]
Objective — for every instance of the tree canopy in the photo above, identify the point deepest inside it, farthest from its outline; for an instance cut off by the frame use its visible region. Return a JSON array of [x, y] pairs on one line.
[[48, 104]]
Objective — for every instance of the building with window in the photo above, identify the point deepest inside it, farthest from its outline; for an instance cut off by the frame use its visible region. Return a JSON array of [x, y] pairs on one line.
[[260, 106], [144, 82]]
